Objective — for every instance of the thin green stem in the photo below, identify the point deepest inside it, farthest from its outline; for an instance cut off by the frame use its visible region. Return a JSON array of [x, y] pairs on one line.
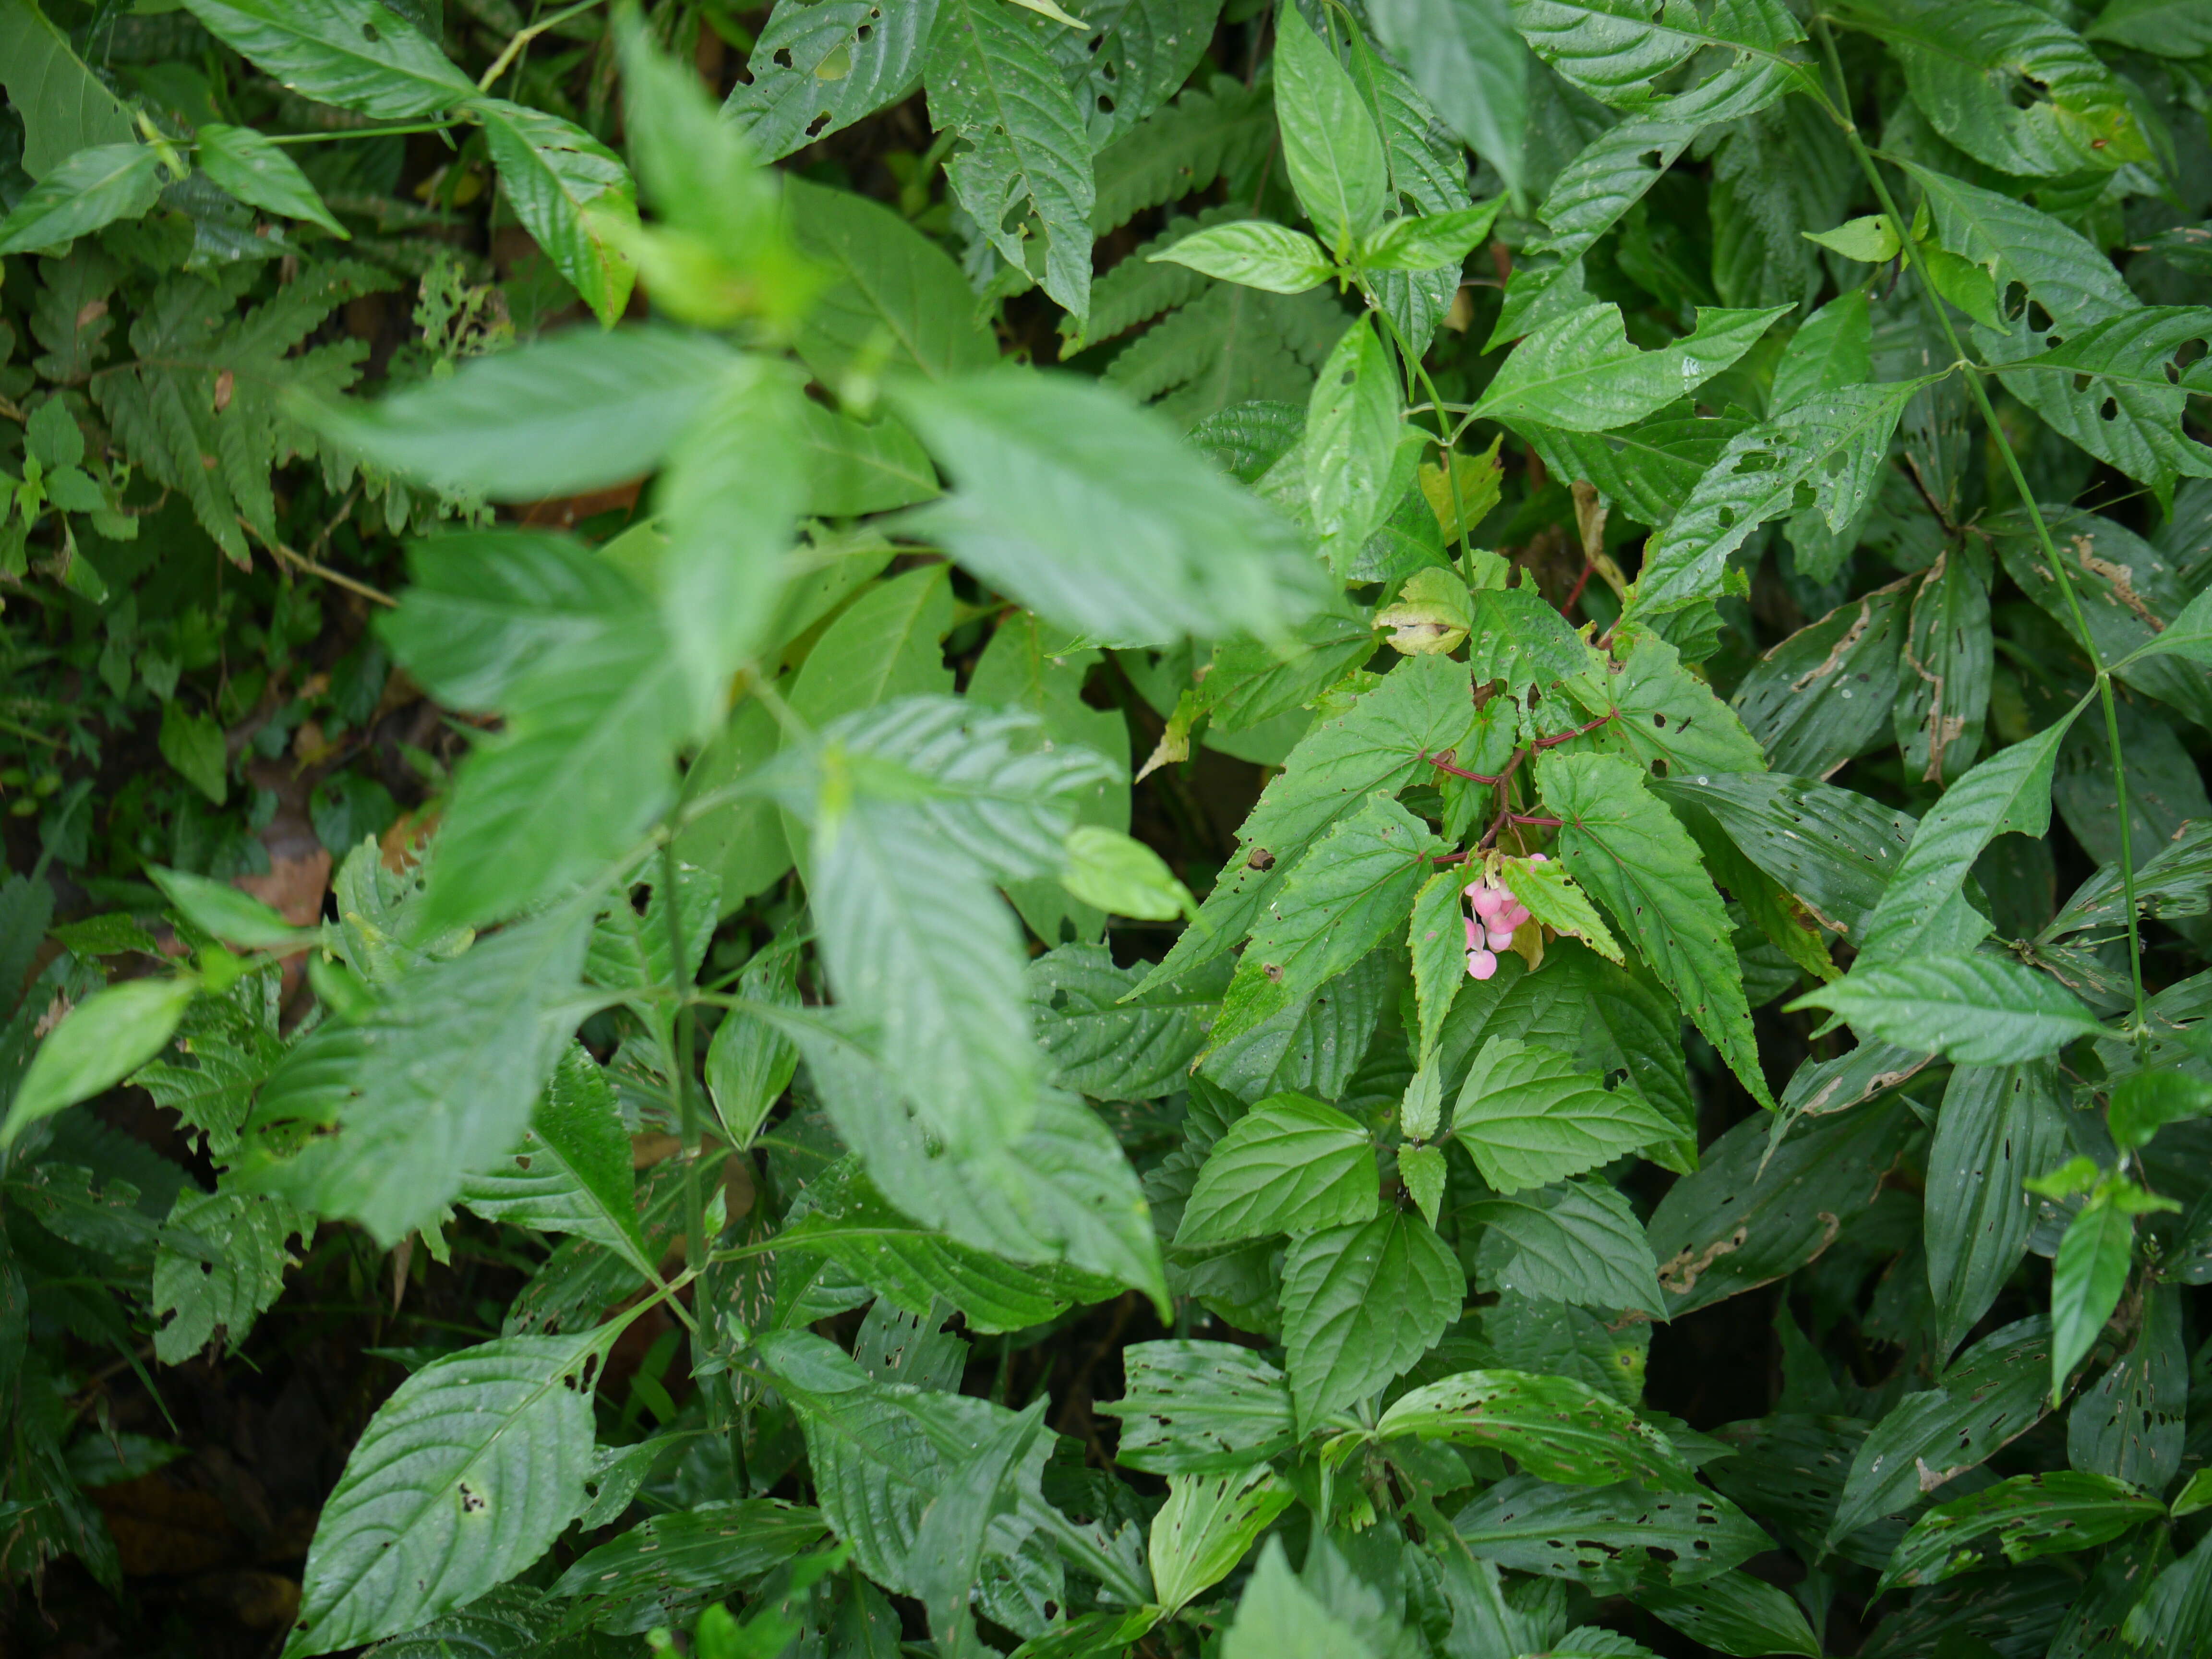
[[364, 132], [1415, 368], [686, 1034], [1987, 412], [524, 37]]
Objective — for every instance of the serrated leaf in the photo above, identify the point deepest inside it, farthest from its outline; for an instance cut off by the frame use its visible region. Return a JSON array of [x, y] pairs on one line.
[[992, 80], [1291, 1164], [1528, 1117], [1554, 1428], [1351, 891], [893, 289], [1648, 470], [1278, 1616], [577, 412], [366, 57], [65, 107], [1360, 1305], [1615, 51], [1422, 708], [463, 1478], [1580, 371], [571, 1173], [1961, 65], [1199, 1408], [663, 1564], [1664, 718], [1468, 63], [1100, 1045], [432, 1082], [230, 1287], [1223, 128], [1976, 1011], [1835, 445], [571, 192], [873, 56], [1091, 513], [1993, 1393], [1438, 937], [1623, 845], [1575, 1242]]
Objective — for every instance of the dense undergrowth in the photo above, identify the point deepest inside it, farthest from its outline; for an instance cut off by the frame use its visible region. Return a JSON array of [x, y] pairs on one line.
[[1345, 829]]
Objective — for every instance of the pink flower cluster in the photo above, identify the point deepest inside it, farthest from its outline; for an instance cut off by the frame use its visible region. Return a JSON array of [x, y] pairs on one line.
[[1490, 929]]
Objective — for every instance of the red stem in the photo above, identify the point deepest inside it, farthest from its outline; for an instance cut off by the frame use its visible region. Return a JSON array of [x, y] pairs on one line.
[[1569, 737], [1443, 765], [1576, 592]]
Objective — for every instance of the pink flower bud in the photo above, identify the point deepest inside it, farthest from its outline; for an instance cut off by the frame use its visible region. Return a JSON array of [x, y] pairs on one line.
[[1488, 901], [1480, 964], [1514, 916], [1501, 939], [1538, 857], [1473, 934]]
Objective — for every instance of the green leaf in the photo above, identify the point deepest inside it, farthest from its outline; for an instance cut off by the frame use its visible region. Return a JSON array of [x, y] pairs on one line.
[[1648, 470], [1554, 1428], [1734, 1613], [1579, 372], [1577, 1241], [1353, 424], [871, 57], [2132, 1425], [1615, 51], [1549, 894], [2188, 634], [1751, 1213], [1101, 1036], [1831, 349], [1993, 1393], [1438, 938], [193, 744], [571, 1173], [893, 291], [218, 907], [1206, 1525], [1231, 345], [1468, 63], [2008, 793], [358, 54], [1421, 1171], [1360, 1305], [1331, 148], [1976, 1011], [1256, 253], [2170, 28], [1278, 1617], [463, 1478], [1871, 240], [1435, 241], [1824, 694], [65, 107], [2063, 272], [90, 189], [1289, 1166], [97, 1043], [575, 412], [571, 192], [259, 174], [1353, 890], [1615, 1540], [1960, 66], [991, 81], [2087, 1276], [2146, 1102], [1836, 445], [636, 1579], [2000, 1126], [1422, 708], [1623, 845], [883, 647], [2021, 1519], [750, 1063], [1223, 129], [2171, 1611], [1091, 513], [1529, 1117], [434, 1081], [230, 1287], [1946, 664], [1665, 718], [1113, 872], [1199, 1408], [593, 724]]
